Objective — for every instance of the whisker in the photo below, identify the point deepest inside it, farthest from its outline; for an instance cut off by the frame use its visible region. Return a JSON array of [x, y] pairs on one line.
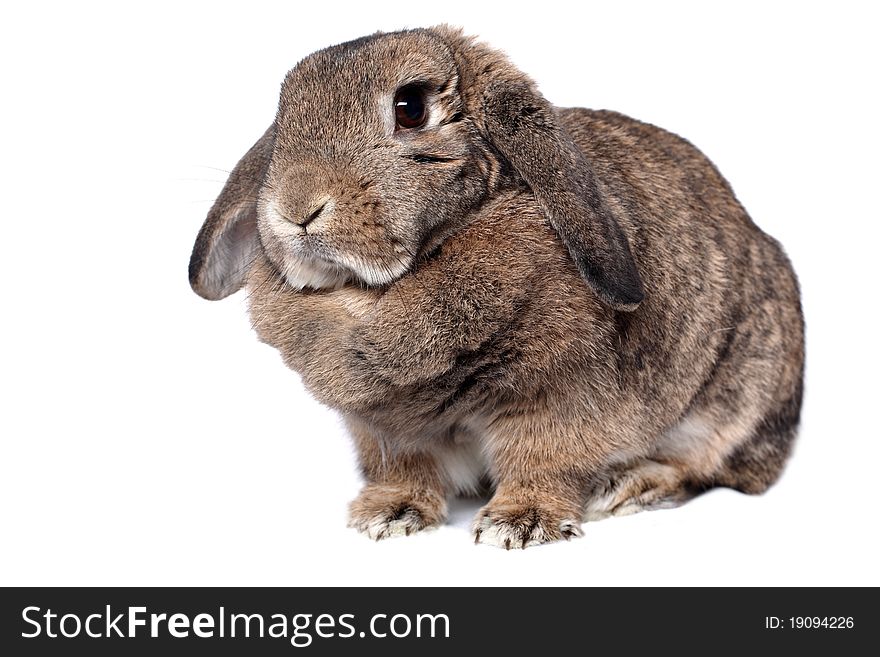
[[260, 181]]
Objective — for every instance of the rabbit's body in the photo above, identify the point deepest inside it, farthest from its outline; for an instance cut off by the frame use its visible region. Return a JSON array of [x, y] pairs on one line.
[[493, 343], [487, 360]]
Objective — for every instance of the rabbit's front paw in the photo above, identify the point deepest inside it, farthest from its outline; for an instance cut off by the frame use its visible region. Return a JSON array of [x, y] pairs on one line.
[[383, 511], [520, 526]]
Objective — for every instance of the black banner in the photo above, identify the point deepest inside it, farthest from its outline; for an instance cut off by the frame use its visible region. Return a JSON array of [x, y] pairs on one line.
[[325, 621]]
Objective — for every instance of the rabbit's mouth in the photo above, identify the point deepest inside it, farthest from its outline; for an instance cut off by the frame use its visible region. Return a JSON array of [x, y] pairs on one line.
[[322, 261], [325, 247]]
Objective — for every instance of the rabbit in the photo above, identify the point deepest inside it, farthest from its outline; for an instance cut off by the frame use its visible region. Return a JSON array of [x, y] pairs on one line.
[[562, 308]]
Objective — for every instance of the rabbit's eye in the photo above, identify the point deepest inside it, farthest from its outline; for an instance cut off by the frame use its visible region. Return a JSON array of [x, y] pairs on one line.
[[409, 107]]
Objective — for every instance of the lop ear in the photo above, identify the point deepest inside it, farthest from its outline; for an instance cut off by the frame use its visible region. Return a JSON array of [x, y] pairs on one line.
[[523, 127], [228, 240]]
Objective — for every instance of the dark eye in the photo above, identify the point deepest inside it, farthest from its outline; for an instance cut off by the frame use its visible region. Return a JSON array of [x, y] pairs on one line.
[[409, 107]]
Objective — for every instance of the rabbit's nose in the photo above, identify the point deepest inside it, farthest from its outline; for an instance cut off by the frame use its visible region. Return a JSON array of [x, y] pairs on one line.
[[312, 215], [307, 213]]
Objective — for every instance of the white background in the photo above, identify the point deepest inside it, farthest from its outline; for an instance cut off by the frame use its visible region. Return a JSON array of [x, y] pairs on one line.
[[149, 439]]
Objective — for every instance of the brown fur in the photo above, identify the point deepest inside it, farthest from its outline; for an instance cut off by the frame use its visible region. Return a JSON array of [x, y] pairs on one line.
[[455, 320]]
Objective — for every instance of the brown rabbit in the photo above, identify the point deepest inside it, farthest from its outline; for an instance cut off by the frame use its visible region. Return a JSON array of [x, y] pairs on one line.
[[565, 305]]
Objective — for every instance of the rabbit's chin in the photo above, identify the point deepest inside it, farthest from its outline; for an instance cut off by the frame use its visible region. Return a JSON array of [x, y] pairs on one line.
[[303, 272], [312, 273]]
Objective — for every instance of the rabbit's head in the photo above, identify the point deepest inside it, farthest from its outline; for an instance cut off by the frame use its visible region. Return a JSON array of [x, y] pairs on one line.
[[384, 146]]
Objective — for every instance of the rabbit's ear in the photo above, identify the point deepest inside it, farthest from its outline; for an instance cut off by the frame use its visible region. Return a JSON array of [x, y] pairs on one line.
[[228, 240], [523, 127]]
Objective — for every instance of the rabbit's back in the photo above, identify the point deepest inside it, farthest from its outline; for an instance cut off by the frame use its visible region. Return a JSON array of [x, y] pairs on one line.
[[720, 334]]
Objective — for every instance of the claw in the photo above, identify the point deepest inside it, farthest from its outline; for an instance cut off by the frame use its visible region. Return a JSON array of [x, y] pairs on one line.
[[506, 543], [477, 536], [569, 530]]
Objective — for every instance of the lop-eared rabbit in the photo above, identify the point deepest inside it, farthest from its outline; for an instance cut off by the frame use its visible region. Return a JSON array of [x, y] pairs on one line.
[[566, 308]]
